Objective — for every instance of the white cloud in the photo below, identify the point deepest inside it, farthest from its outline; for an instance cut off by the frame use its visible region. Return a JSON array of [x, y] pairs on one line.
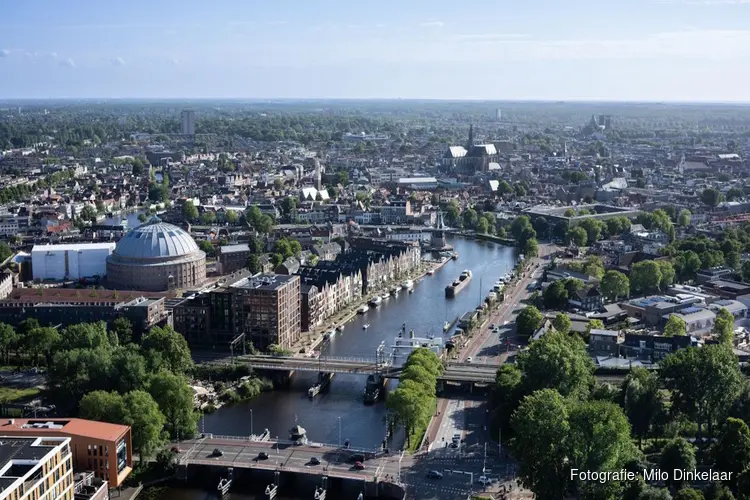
[[433, 24], [53, 55], [69, 63], [117, 61], [4, 52]]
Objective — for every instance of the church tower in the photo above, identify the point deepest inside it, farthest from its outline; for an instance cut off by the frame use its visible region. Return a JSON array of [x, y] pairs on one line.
[[470, 142]]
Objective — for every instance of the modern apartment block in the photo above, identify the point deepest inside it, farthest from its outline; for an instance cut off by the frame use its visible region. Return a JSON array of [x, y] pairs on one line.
[[102, 448], [269, 309], [36, 467]]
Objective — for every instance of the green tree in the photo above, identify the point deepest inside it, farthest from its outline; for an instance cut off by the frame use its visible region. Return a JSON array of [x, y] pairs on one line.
[[207, 247], [688, 494], [253, 264], [129, 370], [599, 437], [541, 430], [593, 228], [208, 218], [42, 340], [645, 277], [562, 323], [85, 336], [231, 217], [576, 236], [528, 321], [409, 406], [731, 452], [506, 395], [103, 406], [641, 401], [652, 493], [89, 213], [723, 327], [518, 226], [531, 248], [482, 226], [189, 212], [146, 420], [711, 197], [175, 399], [557, 361], [8, 340], [677, 454], [718, 491], [123, 330], [166, 348], [684, 218], [667, 274], [675, 326], [704, 383], [555, 296], [615, 285]]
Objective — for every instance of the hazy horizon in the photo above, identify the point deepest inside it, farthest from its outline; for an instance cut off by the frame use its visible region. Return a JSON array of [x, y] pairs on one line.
[[671, 51]]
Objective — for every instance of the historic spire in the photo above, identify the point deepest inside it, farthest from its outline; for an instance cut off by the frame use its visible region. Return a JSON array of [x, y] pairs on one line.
[[470, 142]]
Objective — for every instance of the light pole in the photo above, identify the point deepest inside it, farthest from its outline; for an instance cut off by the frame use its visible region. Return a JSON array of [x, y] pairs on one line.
[[251, 423], [339, 432], [399, 466]]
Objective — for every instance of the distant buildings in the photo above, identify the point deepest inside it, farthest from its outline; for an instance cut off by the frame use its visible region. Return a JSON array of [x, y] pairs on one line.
[[187, 121]]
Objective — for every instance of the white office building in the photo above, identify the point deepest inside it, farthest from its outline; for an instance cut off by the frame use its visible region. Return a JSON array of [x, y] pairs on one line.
[[71, 261]]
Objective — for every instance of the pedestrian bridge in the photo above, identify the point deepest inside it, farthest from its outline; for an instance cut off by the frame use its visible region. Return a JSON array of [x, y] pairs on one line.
[[453, 372]]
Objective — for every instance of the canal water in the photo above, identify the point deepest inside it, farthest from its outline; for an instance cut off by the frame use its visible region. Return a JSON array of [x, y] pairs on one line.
[[131, 217], [338, 413]]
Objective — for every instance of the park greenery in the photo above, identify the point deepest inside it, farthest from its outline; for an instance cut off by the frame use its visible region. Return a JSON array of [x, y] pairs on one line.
[[413, 402], [554, 416]]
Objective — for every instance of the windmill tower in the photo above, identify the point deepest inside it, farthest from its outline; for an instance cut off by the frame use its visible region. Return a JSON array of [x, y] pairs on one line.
[[438, 235]]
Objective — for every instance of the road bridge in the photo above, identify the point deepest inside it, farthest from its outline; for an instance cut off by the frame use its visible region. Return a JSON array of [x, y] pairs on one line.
[[453, 372]]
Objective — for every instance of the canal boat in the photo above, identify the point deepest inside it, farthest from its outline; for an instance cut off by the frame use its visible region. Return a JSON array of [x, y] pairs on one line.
[[454, 256], [458, 285], [366, 326], [320, 493], [372, 389], [395, 290], [446, 326], [407, 285], [363, 309], [375, 301], [298, 434], [385, 296], [329, 334], [340, 328], [431, 272]]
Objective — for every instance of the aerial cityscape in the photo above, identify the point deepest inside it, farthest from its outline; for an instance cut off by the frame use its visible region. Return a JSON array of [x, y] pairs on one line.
[[254, 252]]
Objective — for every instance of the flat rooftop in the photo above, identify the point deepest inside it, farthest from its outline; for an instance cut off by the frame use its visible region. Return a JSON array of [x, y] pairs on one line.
[[265, 282], [67, 426], [74, 247]]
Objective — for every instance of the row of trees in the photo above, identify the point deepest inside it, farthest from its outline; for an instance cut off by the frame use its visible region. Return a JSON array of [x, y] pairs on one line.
[[412, 404], [103, 374], [557, 418], [20, 192]]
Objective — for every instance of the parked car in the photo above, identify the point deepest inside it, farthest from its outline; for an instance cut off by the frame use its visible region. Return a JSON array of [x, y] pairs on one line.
[[484, 480], [434, 474], [262, 455], [217, 453], [314, 461], [359, 466]]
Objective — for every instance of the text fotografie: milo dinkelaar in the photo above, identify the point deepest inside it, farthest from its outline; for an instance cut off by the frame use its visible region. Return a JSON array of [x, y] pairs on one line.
[[650, 475]]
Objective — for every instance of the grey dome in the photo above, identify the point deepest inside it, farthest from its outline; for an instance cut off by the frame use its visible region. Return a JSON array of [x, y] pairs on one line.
[[155, 240]]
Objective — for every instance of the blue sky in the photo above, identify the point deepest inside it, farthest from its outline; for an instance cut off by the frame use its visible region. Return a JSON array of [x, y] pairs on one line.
[[684, 50]]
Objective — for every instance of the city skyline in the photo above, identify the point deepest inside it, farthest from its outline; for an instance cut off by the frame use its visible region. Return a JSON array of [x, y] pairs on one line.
[[644, 50]]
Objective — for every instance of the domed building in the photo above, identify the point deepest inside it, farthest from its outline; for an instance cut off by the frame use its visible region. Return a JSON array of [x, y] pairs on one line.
[[155, 257]]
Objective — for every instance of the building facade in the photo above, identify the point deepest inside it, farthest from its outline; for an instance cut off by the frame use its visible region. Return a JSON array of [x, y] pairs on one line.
[[187, 122], [70, 261], [269, 309], [33, 467], [103, 448]]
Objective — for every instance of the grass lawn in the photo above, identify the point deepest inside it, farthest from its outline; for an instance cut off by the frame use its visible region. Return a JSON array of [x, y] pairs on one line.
[[12, 395]]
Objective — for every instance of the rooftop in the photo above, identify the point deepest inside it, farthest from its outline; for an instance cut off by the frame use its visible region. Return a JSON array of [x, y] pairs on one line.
[[265, 282], [69, 426], [80, 296], [74, 247]]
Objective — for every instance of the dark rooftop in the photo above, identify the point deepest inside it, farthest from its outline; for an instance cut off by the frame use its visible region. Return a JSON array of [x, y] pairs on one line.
[[266, 282]]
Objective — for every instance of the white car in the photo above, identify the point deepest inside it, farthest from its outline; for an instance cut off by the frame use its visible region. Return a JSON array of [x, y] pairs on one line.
[[469, 359], [484, 480]]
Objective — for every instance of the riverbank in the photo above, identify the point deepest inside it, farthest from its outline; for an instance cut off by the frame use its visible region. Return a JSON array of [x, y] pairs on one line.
[[310, 341], [496, 239]]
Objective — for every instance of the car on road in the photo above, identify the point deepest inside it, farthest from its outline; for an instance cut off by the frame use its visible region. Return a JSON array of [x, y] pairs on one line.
[[217, 453], [175, 449], [434, 474], [492, 326], [357, 457], [262, 455], [484, 480], [469, 359], [314, 461], [359, 466]]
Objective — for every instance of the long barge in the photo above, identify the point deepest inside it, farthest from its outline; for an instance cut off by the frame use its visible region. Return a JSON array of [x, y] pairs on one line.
[[458, 285]]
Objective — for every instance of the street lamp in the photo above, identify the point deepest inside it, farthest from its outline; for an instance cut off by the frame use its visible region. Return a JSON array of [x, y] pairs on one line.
[[339, 432], [401, 456], [251, 423]]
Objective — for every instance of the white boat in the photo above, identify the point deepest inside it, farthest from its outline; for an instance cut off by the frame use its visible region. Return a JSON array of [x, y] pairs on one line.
[[363, 309], [394, 291], [407, 285], [431, 272], [340, 328], [375, 301], [366, 326], [446, 326], [329, 334]]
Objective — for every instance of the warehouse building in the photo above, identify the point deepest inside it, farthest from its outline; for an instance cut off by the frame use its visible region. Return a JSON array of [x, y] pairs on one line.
[[70, 261]]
